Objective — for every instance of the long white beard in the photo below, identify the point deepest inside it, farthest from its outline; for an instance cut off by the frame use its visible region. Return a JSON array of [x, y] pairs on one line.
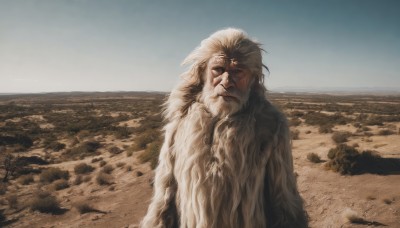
[[220, 107], [219, 171]]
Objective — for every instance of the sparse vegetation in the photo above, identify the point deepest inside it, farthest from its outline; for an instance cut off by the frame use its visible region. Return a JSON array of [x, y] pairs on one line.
[[107, 169], [45, 202], [83, 207], [104, 179], [26, 179], [151, 154], [83, 168], [60, 184], [52, 174], [341, 136], [313, 157], [295, 134], [12, 201], [95, 127]]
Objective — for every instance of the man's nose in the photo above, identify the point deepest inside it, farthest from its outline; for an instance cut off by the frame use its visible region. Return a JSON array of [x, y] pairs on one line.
[[227, 81]]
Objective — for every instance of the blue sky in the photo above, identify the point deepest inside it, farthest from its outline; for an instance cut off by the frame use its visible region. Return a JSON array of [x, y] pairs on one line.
[[138, 45]]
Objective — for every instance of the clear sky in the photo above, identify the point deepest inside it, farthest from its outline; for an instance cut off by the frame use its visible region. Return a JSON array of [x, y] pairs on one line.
[[138, 45]]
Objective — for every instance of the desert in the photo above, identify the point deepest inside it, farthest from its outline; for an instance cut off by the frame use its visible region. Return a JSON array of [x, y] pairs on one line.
[[88, 159]]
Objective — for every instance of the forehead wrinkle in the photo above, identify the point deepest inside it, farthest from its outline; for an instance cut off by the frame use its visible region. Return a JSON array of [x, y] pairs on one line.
[[223, 59]]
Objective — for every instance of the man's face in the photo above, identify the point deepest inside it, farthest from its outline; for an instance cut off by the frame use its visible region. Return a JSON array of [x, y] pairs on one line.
[[227, 85]]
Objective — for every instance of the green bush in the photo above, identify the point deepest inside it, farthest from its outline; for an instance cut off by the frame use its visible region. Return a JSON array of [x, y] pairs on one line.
[[52, 174], [83, 168]]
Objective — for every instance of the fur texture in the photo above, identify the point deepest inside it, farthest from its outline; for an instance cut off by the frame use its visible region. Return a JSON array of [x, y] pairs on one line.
[[224, 171]]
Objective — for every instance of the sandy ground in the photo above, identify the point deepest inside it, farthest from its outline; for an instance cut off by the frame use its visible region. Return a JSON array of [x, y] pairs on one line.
[[327, 195]]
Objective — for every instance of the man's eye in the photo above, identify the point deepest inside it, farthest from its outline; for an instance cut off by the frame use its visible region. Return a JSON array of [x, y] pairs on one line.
[[218, 70]]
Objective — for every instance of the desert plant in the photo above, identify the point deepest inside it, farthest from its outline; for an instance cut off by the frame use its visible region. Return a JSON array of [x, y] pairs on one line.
[[129, 153], [26, 179], [325, 128], [12, 201], [87, 178], [341, 136], [45, 202], [94, 160], [52, 174], [60, 184], [3, 188], [151, 154], [78, 180], [295, 134], [102, 163], [313, 157], [120, 164], [104, 179], [115, 150], [107, 169], [56, 146], [83, 168], [83, 207], [294, 122], [386, 132]]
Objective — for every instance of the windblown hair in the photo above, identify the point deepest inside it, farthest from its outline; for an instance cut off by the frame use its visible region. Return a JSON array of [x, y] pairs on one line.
[[235, 171]]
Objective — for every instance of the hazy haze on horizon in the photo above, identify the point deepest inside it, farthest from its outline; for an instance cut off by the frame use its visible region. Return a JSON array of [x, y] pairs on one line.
[[88, 45]]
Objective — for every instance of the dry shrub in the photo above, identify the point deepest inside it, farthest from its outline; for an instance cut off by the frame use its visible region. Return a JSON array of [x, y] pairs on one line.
[[313, 157], [87, 178], [3, 188], [12, 201], [341, 136], [104, 179], [52, 174], [325, 128], [83, 207], [348, 160], [115, 150], [94, 160], [26, 179], [60, 184], [352, 216], [107, 169], [294, 122], [120, 164], [78, 180], [88, 148], [386, 132], [129, 153], [295, 134], [145, 138], [128, 168], [83, 168], [55, 146], [102, 163], [45, 202], [151, 154]]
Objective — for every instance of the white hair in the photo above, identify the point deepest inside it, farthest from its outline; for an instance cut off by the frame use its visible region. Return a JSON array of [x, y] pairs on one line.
[[232, 171]]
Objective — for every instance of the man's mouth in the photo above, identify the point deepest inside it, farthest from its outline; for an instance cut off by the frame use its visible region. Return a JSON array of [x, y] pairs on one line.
[[228, 97]]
